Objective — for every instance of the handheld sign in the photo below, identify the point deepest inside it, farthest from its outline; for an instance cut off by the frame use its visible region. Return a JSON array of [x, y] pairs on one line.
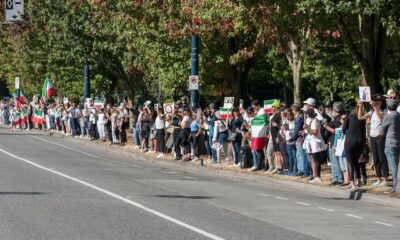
[[241, 103], [365, 93], [268, 105], [228, 102], [168, 108]]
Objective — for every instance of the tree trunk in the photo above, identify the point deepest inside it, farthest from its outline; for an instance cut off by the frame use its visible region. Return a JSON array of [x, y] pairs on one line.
[[370, 57], [295, 56]]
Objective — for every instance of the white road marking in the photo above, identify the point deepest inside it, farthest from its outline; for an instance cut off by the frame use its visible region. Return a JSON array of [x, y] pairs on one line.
[[326, 209], [302, 203], [72, 149], [353, 216], [385, 224], [282, 198], [172, 172], [138, 205], [191, 178], [264, 194]]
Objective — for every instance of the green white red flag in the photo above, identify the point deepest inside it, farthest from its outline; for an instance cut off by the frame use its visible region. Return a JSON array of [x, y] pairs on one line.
[[259, 132], [225, 113], [268, 105], [48, 90], [37, 116]]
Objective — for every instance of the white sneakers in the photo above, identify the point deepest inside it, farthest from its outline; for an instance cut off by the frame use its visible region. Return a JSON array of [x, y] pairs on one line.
[[161, 155], [316, 180], [379, 184]]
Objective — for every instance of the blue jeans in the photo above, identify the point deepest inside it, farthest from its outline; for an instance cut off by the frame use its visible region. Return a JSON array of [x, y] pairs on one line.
[[307, 164], [236, 150], [291, 151], [208, 146], [136, 136], [335, 166], [52, 120], [213, 151], [258, 157], [393, 158], [74, 125], [300, 157]]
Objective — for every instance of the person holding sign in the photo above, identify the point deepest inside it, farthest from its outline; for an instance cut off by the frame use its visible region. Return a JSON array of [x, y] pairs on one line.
[[375, 116]]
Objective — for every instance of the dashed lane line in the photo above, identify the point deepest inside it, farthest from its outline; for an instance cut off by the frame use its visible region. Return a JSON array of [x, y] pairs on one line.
[[384, 224], [353, 216], [304, 204]]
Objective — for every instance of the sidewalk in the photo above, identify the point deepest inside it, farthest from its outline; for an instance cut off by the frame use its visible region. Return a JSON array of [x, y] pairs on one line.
[[366, 193]]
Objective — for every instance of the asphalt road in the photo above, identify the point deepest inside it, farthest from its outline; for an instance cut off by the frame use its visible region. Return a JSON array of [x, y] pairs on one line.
[[63, 188]]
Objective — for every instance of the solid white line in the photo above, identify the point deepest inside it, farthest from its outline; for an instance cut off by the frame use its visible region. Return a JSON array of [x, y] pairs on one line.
[[72, 149], [282, 198], [385, 224], [138, 205], [326, 209], [353, 216], [305, 204]]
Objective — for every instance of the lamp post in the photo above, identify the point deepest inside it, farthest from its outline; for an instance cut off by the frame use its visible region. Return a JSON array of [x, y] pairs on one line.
[[194, 94], [86, 76]]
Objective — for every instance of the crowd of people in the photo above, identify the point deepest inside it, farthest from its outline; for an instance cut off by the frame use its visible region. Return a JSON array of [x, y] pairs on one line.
[[300, 139]]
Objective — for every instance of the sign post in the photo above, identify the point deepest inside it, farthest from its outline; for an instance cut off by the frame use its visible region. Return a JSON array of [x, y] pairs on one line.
[[17, 87], [14, 10]]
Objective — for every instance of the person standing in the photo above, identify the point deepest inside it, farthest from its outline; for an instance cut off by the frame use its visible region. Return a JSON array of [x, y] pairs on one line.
[[235, 125], [315, 144], [391, 129], [375, 116], [101, 120], [354, 129], [160, 131], [73, 119]]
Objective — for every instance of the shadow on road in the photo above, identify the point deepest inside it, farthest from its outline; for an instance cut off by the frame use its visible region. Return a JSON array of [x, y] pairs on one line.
[[180, 196]]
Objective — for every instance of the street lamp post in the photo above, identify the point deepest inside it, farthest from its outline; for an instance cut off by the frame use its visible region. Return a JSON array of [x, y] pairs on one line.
[[86, 76], [194, 94]]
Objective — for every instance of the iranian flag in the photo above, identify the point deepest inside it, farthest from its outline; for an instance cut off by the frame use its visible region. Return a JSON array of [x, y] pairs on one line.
[[225, 113], [21, 98], [48, 90], [259, 132], [268, 105], [37, 116]]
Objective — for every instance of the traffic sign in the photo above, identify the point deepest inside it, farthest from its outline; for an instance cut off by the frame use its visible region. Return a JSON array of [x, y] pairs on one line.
[[194, 82], [14, 10], [17, 80]]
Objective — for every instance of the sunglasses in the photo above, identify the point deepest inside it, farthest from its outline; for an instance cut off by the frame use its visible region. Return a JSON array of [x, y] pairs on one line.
[[392, 97]]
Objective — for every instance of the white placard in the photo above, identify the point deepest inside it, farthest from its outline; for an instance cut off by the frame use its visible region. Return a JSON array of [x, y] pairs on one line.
[[228, 102], [365, 93], [65, 100], [14, 10], [156, 106], [194, 82], [17, 80], [88, 101]]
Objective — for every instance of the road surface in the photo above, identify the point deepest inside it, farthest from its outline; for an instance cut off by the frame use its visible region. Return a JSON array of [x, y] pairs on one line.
[[63, 188]]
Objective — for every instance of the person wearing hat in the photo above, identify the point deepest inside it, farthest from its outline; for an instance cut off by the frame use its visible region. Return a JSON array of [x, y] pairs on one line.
[[391, 129], [337, 177], [315, 145], [274, 156], [393, 94], [311, 103], [375, 117]]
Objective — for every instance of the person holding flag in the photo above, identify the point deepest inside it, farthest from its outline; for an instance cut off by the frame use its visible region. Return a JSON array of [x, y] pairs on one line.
[[258, 129], [48, 90]]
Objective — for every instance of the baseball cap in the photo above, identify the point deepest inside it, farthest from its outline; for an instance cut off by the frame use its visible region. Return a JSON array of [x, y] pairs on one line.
[[310, 101], [276, 104]]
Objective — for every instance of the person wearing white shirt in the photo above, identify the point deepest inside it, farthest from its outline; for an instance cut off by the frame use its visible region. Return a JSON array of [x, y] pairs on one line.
[[101, 120]]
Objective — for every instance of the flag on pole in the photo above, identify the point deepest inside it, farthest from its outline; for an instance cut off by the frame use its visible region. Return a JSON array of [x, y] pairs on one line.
[[48, 90], [268, 105], [259, 132]]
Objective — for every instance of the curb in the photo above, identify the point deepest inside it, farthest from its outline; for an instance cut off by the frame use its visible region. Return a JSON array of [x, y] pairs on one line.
[[360, 195]]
